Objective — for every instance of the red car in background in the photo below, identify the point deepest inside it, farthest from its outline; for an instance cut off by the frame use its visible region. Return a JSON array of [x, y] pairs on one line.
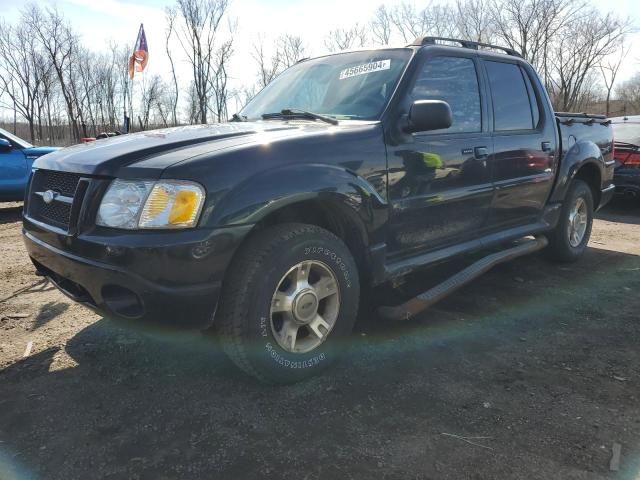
[[626, 132]]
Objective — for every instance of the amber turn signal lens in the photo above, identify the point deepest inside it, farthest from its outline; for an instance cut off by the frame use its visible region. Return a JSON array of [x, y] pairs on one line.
[[172, 204], [185, 206]]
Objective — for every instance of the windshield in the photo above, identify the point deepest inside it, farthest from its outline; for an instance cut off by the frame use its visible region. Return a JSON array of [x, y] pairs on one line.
[[627, 132], [355, 85], [15, 141]]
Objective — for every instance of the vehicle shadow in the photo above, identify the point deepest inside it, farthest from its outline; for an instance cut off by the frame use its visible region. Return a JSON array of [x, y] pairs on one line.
[[621, 210], [10, 212], [124, 402], [49, 311]]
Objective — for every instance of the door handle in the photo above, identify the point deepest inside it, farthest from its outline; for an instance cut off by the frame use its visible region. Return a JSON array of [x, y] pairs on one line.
[[480, 153], [546, 147]]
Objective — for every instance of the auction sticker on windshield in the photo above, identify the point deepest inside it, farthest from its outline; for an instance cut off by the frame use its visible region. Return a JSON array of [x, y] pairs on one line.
[[365, 68]]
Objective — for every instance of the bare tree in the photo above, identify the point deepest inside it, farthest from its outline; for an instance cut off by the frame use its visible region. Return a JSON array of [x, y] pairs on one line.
[[51, 87], [292, 50], [220, 80], [241, 96], [47, 86], [381, 26], [473, 20], [18, 73], [286, 51], [345, 39], [200, 25], [269, 64], [609, 70], [60, 44], [581, 47], [152, 91], [629, 93], [433, 19], [170, 15], [531, 26]]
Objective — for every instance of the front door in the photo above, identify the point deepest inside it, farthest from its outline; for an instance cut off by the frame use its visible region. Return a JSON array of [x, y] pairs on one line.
[[14, 173], [440, 185]]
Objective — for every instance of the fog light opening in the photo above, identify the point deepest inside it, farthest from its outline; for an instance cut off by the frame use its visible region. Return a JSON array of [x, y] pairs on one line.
[[122, 301]]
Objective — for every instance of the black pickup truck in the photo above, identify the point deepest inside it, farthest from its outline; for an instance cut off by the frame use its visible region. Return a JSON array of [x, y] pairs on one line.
[[347, 171]]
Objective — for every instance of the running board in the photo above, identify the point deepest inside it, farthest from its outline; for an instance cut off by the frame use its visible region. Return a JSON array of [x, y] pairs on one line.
[[437, 293]]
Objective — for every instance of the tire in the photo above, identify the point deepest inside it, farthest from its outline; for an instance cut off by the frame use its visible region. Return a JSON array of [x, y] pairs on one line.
[[254, 325], [562, 246]]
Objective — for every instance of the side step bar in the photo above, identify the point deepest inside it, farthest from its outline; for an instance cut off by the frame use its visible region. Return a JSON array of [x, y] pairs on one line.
[[437, 293]]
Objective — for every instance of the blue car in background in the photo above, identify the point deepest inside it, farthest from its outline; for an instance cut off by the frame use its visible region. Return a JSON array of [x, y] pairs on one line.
[[16, 158]]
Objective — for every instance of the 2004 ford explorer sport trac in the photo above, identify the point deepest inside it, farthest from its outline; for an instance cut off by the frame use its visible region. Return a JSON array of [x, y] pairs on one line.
[[347, 171]]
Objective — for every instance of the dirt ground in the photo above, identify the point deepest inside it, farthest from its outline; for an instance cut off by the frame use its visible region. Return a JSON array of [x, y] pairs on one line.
[[530, 372]]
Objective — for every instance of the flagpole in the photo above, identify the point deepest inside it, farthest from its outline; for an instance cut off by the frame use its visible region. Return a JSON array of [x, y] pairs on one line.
[[137, 60], [131, 124], [125, 126]]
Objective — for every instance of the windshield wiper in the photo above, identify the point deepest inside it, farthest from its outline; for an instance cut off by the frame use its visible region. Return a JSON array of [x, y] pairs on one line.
[[294, 113], [238, 118]]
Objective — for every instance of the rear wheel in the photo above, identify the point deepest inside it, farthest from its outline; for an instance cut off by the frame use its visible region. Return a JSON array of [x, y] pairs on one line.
[[569, 239], [289, 300]]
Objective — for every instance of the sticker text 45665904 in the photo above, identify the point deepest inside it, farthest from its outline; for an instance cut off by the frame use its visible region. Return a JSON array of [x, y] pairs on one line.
[[365, 68]]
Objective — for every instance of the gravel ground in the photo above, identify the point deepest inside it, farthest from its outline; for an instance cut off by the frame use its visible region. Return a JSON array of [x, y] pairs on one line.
[[530, 372]]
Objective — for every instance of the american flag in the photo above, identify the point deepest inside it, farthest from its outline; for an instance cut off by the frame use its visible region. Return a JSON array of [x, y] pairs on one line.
[[138, 61]]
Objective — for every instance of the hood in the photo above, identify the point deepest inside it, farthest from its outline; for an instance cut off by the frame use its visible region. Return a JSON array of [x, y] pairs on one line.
[[149, 153], [35, 152]]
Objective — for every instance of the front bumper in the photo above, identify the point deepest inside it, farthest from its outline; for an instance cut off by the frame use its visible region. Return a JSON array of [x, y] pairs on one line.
[[169, 278]]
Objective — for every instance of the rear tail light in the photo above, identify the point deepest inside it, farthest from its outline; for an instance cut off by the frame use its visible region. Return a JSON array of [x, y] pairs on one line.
[[626, 154], [633, 159], [627, 157]]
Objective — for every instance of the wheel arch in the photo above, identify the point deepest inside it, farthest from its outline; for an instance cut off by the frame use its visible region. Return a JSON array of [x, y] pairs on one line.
[[591, 175], [329, 197], [585, 162]]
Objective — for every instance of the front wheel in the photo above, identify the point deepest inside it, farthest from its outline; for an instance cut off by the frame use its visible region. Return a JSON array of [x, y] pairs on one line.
[[568, 241], [289, 300]]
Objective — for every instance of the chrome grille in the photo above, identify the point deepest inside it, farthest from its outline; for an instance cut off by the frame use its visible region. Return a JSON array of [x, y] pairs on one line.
[[56, 211], [61, 182]]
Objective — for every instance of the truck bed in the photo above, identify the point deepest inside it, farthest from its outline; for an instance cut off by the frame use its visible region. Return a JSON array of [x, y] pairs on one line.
[[574, 127]]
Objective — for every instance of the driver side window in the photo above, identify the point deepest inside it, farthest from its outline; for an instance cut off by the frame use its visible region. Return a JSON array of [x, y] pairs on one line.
[[455, 81]]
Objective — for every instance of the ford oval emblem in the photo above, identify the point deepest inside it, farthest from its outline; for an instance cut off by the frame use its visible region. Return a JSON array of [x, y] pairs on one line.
[[48, 196]]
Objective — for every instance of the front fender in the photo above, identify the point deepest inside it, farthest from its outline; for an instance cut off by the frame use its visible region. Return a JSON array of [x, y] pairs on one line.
[[269, 191], [580, 154]]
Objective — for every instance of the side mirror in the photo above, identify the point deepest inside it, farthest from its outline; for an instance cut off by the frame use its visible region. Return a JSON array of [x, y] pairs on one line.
[[428, 115], [5, 145]]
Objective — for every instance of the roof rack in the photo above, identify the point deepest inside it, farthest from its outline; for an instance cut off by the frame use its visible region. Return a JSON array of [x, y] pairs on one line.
[[595, 116], [421, 41]]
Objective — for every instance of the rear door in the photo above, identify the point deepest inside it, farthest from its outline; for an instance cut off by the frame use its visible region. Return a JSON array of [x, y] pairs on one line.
[[524, 142]]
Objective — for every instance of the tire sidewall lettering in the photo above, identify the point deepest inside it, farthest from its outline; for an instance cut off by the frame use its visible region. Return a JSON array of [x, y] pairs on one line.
[[266, 349], [337, 261]]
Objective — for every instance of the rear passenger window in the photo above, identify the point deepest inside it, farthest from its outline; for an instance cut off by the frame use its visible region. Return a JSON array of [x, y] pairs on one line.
[[454, 81], [511, 106]]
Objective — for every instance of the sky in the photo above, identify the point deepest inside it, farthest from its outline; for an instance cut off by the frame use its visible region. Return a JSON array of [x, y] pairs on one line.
[[102, 21]]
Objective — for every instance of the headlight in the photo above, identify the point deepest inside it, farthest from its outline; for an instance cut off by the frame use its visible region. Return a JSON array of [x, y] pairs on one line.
[[172, 204], [134, 204], [122, 203]]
